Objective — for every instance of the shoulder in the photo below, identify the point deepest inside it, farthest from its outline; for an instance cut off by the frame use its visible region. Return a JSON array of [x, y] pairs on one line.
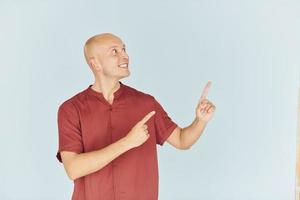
[[71, 104], [139, 95], [144, 98]]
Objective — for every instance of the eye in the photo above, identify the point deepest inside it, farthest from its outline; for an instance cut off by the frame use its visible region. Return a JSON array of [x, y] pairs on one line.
[[124, 49], [114, 51]]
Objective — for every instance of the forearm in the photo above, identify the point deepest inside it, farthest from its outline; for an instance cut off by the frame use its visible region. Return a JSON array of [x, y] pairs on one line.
[[89, 162], [190, 134]]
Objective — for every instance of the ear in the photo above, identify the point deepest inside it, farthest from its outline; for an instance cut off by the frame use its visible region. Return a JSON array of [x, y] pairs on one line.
[[94, 64]]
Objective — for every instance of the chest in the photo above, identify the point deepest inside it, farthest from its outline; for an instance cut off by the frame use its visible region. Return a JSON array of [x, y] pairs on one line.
[[103, 124]]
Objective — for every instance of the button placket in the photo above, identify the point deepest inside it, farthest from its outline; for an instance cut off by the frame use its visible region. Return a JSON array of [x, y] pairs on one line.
[[110, 121], [114, 161]]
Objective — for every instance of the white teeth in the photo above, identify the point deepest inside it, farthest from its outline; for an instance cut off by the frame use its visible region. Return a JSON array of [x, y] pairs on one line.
[[123, 65]]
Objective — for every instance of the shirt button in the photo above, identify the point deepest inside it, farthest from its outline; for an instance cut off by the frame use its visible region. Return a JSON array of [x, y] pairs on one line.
[[110, 108]]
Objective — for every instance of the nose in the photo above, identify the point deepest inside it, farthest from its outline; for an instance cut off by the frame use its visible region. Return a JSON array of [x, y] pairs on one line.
[[125, 55]]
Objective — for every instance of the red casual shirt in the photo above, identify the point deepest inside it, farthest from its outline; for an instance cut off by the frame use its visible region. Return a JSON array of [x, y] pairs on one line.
[[88, 122]]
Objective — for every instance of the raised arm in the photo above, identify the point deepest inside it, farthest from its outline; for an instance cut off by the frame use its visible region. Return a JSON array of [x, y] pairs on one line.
[[184, 138]]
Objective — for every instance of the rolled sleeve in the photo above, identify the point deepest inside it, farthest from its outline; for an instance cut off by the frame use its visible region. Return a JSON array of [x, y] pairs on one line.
[[69, 130], [164, 125]]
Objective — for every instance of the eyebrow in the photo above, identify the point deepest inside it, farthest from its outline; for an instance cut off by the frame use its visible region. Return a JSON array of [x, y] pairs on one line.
[[115, 46]]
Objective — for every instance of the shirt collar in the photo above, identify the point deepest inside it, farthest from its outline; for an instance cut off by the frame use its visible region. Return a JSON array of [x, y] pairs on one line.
[[97, 94]]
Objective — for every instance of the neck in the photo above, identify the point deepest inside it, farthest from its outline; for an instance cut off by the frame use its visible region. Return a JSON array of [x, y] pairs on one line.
[[106, 87]]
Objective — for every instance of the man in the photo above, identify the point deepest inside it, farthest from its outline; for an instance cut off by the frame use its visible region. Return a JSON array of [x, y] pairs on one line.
[[109, 131]]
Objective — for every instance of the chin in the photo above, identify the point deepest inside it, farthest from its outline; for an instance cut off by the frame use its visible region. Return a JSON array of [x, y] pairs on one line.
[[123, 76], [128, 73]]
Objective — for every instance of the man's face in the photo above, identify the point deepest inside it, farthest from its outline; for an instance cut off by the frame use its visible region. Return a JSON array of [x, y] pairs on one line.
[[113, 58]]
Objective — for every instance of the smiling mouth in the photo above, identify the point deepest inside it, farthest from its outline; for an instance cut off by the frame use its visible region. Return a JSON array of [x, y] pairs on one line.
[[124, 65]]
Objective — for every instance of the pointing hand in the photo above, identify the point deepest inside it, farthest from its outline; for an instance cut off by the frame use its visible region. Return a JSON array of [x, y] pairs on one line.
[[205, 109]]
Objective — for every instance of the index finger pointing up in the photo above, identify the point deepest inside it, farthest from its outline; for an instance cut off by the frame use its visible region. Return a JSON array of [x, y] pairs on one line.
[[205, 90]]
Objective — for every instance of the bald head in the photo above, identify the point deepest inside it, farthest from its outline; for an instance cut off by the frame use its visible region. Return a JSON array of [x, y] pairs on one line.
[[96, 44]]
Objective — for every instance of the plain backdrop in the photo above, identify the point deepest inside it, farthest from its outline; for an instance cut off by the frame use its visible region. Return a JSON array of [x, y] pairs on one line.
[[248, 49]]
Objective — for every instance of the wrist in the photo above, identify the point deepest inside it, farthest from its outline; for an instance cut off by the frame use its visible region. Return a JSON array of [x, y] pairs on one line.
[[124, 142], [199, 122]]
